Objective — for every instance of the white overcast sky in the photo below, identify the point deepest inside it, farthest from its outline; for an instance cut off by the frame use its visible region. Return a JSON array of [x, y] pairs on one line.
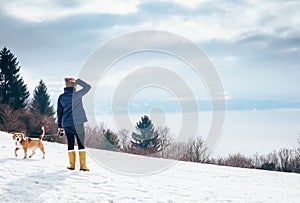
[[254, 44]]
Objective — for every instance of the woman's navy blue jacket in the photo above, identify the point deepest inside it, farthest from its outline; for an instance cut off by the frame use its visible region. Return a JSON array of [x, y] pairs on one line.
[[70, 109]]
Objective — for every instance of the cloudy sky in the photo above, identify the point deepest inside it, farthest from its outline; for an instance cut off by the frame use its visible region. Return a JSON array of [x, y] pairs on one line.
[[254, 44]]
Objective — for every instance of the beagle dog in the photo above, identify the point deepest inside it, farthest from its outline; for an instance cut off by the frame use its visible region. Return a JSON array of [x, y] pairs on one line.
[[26, 143]]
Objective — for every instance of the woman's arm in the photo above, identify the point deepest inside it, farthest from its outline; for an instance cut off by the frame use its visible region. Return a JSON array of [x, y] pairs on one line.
[[59, 113], [85, 87]]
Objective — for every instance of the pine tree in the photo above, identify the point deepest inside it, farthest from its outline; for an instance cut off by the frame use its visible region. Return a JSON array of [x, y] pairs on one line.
[[13, 91], [41, 101], [111, 141], [146, 141], [41, 112]]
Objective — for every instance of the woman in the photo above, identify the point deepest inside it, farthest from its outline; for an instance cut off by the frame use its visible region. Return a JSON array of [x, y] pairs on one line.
[[71, 118]]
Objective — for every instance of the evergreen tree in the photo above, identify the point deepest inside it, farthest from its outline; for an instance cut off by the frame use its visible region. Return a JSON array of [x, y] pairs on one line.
[[41, 101], [41, 112], [146, 141], [111, 141], [13, 91]]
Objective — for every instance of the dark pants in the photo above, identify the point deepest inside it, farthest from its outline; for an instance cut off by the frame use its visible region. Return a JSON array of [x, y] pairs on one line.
[[72, 132]]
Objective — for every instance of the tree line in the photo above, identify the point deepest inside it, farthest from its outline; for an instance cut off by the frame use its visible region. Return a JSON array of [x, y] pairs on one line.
[[17, 111], [159, 142]]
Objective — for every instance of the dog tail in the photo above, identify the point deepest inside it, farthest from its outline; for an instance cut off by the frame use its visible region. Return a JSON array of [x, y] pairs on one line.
[[43, 133]]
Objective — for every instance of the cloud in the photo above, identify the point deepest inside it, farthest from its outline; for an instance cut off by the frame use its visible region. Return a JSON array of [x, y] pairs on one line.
[[188, 3], [293, 49], [224, 20], [230, 59], [41, 11], [200, 21]]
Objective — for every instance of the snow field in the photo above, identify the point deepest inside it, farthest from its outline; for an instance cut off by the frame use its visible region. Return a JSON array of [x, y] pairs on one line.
[[48, 180]]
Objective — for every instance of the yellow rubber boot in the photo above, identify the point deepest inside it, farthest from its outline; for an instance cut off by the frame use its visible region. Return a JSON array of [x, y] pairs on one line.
[[72, 159], [82, 158]]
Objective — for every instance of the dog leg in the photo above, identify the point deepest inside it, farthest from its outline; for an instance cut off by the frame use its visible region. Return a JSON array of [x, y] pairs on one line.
[[16, 152], [25, 153], [33, 152], [41, 146]]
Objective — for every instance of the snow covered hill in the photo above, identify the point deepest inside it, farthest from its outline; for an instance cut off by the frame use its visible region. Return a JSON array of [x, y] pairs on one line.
[[47, 180]]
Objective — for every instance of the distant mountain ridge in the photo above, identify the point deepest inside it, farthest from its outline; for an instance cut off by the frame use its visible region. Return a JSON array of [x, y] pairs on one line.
[[203, 105]]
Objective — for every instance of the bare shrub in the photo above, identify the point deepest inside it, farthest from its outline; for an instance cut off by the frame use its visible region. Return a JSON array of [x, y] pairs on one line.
[[34, 122], [124, 139], [193, 150], [295, 161], [285, 156], [269, 161], [99, 137], [217, 161], [196, 151], [238, 160], [165, 139], [10, 119], [94, 136], [176, 151]]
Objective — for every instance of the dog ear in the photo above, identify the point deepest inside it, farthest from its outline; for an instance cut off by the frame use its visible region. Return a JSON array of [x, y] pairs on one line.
[[14, 136], [23, 136]]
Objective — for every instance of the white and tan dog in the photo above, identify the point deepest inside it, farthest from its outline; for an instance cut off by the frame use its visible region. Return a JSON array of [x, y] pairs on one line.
[[29, 143]]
